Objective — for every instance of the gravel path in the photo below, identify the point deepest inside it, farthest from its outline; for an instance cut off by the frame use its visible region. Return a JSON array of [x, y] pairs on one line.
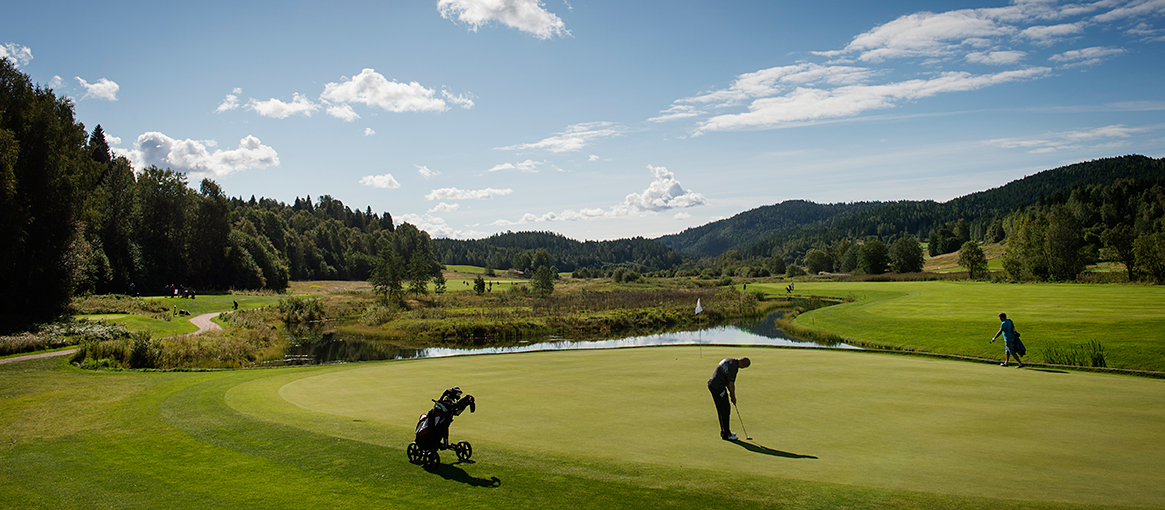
[[204, 324]]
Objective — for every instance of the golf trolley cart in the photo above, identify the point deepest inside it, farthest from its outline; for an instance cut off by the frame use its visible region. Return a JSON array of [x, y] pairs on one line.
[[433, 429]]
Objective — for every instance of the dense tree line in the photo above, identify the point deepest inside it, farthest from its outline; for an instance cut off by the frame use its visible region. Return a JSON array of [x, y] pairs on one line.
[[516, 250], [1121, 221], [74, 220]]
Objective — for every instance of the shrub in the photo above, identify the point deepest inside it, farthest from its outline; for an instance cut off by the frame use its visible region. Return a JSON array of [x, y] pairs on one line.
[[297, 309]]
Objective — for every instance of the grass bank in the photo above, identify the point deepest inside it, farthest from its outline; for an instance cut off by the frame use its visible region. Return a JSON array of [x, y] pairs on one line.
[[960, 317]]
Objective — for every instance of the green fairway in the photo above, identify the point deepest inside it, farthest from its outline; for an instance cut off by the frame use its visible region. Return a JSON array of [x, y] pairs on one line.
[[617, 428], [960, 317]]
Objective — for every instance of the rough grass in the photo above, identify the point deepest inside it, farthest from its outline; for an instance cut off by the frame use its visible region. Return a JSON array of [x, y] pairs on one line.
[[589, 429], [960, 317]]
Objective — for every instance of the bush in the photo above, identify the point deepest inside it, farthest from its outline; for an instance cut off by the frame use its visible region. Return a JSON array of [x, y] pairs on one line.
[[296, 309]]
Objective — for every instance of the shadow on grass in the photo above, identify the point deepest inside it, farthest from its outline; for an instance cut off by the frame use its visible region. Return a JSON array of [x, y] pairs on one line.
[[452, 472], [1048, 370], [764, 450]]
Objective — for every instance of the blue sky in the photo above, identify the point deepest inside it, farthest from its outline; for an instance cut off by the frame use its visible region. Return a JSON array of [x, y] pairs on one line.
[[603, 119]]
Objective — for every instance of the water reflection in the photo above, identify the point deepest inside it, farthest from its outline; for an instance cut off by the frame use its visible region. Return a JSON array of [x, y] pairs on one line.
[[332, 349]]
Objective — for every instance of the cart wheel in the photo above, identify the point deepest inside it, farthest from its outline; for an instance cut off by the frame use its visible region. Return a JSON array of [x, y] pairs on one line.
[[464, 451], [415, 453], [432, 458]]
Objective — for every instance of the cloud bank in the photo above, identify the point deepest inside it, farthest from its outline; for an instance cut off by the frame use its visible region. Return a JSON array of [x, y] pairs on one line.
[[193, 156]]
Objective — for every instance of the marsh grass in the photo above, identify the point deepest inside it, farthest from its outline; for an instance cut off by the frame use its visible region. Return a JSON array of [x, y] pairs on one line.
[[235, 349], [1090, 354]]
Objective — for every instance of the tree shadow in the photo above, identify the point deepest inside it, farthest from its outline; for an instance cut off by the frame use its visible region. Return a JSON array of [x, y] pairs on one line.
[[1048, 370], [452, 472], [764, 450]]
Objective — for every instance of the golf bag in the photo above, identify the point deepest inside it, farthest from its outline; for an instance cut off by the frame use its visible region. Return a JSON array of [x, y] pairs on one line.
[[433, 427]]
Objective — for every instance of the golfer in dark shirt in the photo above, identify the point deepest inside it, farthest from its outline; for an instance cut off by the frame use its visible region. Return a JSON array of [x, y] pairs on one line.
[[723, 388]]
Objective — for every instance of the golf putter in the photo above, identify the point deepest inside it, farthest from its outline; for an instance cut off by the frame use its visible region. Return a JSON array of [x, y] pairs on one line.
[[746, 436]]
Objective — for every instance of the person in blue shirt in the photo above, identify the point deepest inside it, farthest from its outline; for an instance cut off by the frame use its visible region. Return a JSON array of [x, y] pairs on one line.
[[1010, 340], [723, 388]]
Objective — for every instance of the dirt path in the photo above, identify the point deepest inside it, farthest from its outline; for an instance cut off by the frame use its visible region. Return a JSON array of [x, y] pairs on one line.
[[204, 324], [38, 356]]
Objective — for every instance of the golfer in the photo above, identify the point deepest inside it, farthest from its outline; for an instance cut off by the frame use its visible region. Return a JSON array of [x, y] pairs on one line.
[[1010, 340], [723, 388]]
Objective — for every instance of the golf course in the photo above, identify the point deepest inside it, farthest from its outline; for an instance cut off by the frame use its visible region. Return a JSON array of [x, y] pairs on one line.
[[599, 429]]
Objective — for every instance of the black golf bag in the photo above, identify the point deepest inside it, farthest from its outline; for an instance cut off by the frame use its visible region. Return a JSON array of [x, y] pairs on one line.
[[433, 428]]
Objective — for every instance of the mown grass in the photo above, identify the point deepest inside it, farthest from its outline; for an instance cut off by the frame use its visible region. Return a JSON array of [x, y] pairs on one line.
[[960, 317], [589, 429]]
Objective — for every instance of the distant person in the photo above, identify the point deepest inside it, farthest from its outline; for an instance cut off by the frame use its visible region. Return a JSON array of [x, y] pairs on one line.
[[1011, 344], [236, 305], [723, 388]]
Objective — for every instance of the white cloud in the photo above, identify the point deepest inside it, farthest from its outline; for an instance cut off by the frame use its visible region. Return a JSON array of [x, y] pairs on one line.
[[369, 131], [18, 54], [593, 157], [1086, 56], [676, 112], [193, 157], [274, 108], [664, 193], [343, 112], [465, 194], [385, 181], [574, 138], [436, 227], [1102, 137], [682, 216], [230, 102], [460, 99], [996, 58], [528, 166], [101, 89], [1133, 9], [111, 140], [1049, 34], [526, 15], [373, 89], [425, 172], [808, 104], [56, 83], [443, 207], [927, 34]]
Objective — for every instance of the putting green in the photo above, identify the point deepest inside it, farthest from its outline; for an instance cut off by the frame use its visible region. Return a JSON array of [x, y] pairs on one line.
[[857, 419]]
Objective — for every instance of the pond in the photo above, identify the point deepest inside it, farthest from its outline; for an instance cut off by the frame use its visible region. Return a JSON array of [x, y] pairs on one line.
[[336, 349]]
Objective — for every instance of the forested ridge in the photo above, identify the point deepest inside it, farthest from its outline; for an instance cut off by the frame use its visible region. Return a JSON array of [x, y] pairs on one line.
[[886, 220], [514, 250]]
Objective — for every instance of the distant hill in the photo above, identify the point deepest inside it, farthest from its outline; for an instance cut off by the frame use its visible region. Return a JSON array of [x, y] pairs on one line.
[[792, 227], [743, 229], [498, 251]]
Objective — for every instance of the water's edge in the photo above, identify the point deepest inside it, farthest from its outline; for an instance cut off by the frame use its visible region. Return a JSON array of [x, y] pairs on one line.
[[337, 349]]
